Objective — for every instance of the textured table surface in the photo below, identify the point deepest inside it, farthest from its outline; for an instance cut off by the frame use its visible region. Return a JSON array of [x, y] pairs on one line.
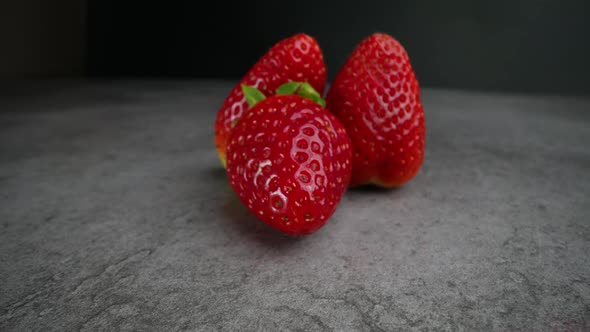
[[116, 215]]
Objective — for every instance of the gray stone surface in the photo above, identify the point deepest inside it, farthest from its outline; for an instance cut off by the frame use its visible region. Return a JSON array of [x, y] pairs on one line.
[[115, 215]]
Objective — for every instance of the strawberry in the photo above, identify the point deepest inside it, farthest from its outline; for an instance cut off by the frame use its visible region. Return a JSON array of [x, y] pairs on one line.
[[377, 98], [289, 159], [297, 58]]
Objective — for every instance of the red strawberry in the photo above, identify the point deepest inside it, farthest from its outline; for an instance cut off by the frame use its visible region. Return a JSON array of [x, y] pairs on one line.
[[289, 161], [377, 98], [297, 58]]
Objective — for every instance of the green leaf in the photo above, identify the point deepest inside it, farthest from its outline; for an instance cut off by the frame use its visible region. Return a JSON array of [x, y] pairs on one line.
[[302, 89], [253, 95], [288, 88], [309, 92]]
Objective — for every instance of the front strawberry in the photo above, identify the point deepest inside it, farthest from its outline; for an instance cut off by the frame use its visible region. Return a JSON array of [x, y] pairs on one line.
[[297, 58], [289, 161], [377, 98]]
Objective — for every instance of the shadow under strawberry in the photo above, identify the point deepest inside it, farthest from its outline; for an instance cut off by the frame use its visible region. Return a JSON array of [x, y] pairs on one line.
[[238, 216], [373, 188], [217, 173]]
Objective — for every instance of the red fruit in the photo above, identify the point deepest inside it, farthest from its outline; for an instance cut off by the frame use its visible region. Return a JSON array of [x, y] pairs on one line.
[[297, 58], [289, 160], [377, 98]]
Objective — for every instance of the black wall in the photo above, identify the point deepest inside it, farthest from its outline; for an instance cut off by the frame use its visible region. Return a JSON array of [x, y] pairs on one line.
[[525, 46], [42, 39]]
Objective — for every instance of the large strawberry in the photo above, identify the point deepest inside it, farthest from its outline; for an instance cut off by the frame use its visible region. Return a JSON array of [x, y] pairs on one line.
[[289, 160], [377, 98], [297, 58]]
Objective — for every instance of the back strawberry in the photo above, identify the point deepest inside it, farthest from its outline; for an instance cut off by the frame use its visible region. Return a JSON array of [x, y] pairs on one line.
[[297, 58], [377, 97]]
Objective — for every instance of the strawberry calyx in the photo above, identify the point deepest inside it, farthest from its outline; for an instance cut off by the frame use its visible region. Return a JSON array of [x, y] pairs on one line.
[[253, 95], [302, 89]]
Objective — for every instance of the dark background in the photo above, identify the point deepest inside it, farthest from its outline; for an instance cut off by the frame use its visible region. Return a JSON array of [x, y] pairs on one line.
[[537, 46], [532, 46]]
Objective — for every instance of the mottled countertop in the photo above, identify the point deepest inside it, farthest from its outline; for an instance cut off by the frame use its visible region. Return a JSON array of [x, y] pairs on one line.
[[116, 215]]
